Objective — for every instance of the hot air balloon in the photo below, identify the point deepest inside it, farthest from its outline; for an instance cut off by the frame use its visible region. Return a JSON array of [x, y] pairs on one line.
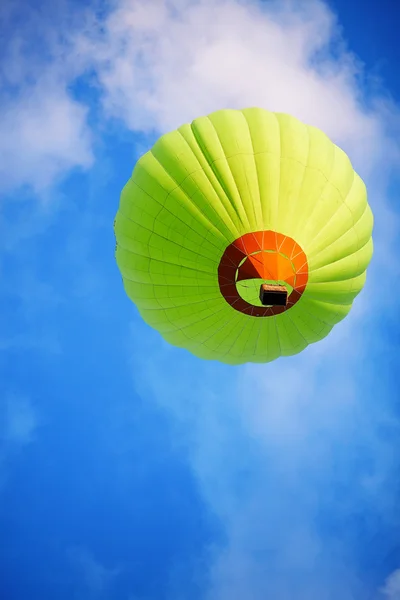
[[244, 236]]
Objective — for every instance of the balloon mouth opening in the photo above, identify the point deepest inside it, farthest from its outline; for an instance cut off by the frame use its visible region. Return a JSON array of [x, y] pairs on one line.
[[273, 295], [275, 259]]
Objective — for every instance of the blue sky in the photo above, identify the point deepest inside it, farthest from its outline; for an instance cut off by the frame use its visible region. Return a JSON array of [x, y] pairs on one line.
[[129, 469]]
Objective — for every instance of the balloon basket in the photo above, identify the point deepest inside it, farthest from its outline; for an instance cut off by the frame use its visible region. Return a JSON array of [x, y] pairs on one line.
[[273, 295]]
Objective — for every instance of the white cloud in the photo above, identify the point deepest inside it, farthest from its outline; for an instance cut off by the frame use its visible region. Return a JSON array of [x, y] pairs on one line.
[[160, 64], [269, 444], [163, 63], [278, 451], [43, 135], [391, 589], [264, 441], [44, 131]]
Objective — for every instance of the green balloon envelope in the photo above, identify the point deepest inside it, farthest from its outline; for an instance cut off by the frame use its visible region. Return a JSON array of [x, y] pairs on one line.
[[229, 202]]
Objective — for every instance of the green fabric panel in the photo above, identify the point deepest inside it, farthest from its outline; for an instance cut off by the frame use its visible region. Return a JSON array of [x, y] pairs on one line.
[[207, 154], [217, 156], [266, 141], [346, 268], [146, 243], [309, 328], [346, 218], [218, 334], [201, 325], [206, 184], [294, 147], [268, 343], [235, 345], [337, 292], [173, 208], [352, 240], [227, 330], [322, 310], [290, 338], [189, 176], [159, 296], [320, 163]]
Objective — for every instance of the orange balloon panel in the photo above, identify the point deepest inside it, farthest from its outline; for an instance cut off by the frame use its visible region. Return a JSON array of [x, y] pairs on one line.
[[262, 255]]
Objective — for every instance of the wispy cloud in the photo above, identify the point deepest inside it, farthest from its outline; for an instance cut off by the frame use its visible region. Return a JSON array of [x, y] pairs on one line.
[[287, 453], [19, 422], [31, 306], [163, 63], [160, 64], [96, 579], [156, 65], [289, 456], [391, 589], [44, 133]]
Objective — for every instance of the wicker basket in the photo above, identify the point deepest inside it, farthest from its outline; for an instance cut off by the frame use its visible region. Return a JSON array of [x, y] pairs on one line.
[[273, 295]]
